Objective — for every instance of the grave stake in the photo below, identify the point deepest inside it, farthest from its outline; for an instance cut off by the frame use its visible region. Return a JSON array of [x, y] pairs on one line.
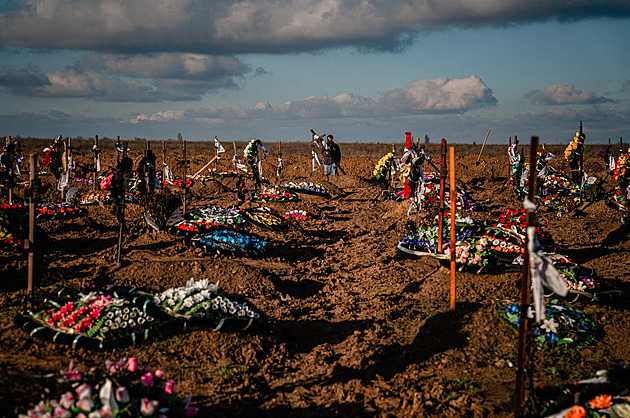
[[442, 180], [96, 163], [184, 179], [530, 218], [453, 237], [121, 181], [482, 146], [30, 245]]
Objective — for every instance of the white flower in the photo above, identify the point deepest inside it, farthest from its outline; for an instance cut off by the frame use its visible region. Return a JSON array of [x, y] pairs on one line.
[[550, 325]]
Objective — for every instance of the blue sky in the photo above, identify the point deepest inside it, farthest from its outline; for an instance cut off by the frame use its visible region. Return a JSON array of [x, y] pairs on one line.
[[363, 70]]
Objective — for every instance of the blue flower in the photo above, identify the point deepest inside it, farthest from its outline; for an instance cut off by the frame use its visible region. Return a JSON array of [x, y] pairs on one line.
[[512, 309], [551, 338]]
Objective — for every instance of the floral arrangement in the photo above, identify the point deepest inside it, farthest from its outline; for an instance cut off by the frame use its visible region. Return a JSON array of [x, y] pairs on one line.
[[217, 216], [122, 389], [11, 219], [272, 195], [228, 240], [306, 187], [575, 148], [251, 150], [601, 406], [202, 299], [178, 181], [58, 211], [234, 173], [298, 215], [432, 195], [619, 199], [114, 317], [514, 219], [27, 184], [97, 318], [264, 217], [563, 324], [95, 197], [382, 168]]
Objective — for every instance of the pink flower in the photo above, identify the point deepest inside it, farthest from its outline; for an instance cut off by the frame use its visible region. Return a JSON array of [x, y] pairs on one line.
[[83, 391], [85, 404], [159, 374], [67, 400], [147, 379], [61, 413], [122, 395], [169, 387], [132, 364], [148, 407], [190, 411], [106, 412]]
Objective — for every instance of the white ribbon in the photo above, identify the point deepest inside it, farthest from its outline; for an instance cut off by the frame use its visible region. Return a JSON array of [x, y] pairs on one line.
[[541, 269]]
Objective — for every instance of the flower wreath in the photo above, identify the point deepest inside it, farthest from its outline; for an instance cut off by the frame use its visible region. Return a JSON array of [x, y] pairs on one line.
[[563, 325], [264, 217], [231, 241], [575, 148], [114, 317], [307, 187]]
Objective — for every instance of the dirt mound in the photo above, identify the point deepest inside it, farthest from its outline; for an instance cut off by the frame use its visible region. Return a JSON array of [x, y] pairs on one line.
[[353, 327]]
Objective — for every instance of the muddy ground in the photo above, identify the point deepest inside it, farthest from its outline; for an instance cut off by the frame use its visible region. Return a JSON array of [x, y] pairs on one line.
[[352, 326]]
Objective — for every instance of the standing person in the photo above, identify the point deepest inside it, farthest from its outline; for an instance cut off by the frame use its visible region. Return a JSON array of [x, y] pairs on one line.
[[332, 156]]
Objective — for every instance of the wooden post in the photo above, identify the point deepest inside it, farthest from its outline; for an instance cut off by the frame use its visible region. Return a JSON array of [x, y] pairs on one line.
[[620, 145], [7, 142], [216, 155], [509, 166], [442, 181], [184, 179], [30, 244], [121, 218], [95, 167], [482, 146], [453, 236], [117, 152], [530, 218]]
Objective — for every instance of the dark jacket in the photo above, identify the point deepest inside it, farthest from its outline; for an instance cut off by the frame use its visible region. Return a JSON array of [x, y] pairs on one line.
[[331, 154]]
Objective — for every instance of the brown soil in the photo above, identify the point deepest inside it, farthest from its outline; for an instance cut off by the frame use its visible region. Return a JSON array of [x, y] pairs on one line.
[[352, 328]]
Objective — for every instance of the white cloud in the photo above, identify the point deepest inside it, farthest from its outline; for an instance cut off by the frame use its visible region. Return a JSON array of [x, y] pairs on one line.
[[441, 94], [239, 26], [565, 94], [167, 115]]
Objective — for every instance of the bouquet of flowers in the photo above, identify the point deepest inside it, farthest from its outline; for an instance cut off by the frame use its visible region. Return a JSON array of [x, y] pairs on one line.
[[298, 215], [602, 406], [383, 166], [122, 389], [58, 211], [575, 149]]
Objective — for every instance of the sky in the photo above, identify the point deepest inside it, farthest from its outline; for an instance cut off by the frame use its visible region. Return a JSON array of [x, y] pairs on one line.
[[362, 70]]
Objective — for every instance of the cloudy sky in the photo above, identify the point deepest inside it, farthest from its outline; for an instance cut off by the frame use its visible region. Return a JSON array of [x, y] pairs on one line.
[[364, 70]]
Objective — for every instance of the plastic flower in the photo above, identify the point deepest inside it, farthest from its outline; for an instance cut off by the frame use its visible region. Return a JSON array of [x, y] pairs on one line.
[[148, 407], [147, 379], [550, 325], [576, 411], [601, 401], [122, 395]]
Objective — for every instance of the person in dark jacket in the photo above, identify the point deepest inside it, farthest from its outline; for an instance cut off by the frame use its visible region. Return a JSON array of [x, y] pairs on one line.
[[332, 156]]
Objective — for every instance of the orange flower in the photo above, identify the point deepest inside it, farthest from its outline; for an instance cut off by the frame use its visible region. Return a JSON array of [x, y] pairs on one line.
[[576, 411], [601, 401]]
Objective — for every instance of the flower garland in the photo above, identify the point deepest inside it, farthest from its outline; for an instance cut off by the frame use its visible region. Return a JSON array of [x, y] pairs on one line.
[[382, 168], [563, 324], [177, 181], [272, 195], [202, 299], [122, 389], [218, 216], [227, 240], [234, 173], [432, 195], [58, 211], [264, 217], [95, 197], [298, 215], [306, 187], [575, 148], [251, 150]]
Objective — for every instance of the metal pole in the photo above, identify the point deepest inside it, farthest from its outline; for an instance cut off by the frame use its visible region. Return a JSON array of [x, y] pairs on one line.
[[531, 222]]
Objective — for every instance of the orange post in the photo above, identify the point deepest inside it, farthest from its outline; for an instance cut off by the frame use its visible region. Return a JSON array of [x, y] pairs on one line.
[[453, 237]]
